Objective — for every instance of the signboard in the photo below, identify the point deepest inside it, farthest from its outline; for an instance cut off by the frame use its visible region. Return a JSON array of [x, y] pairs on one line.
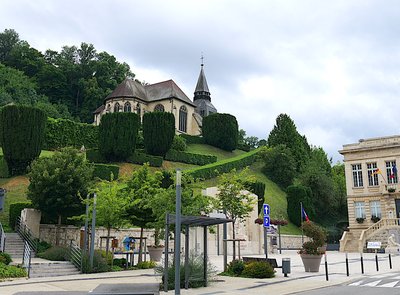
[[374, 245], [266, 209], [266, 221]]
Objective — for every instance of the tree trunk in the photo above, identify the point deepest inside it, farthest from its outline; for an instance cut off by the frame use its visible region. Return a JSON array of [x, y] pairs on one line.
[[140, 245], [108, 241], [234, 243]]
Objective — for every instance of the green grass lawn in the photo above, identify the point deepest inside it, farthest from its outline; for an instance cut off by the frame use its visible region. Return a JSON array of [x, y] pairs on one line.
[[210, 150]]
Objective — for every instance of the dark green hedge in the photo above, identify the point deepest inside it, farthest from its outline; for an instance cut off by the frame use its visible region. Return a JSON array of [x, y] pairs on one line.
[[21, 136], [158, 132], [94, 156], [3, 168], [189, 158], [140, 158], [15, 212], [297, 194], [258, 188], [221, 130], [117, 135], [193, 139], [243, 147], [103, 171], [62, 133], [224, 166]]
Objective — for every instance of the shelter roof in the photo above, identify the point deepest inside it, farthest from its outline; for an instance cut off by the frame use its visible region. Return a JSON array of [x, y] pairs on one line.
[[198, 220]]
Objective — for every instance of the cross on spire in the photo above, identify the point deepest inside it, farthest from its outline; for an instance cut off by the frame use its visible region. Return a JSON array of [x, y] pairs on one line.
[[202, 59]]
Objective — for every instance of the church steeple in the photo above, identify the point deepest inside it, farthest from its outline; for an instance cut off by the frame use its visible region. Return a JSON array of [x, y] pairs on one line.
[[201, 91]]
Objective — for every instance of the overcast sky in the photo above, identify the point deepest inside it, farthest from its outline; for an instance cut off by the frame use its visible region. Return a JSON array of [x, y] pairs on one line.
[[332, 66]]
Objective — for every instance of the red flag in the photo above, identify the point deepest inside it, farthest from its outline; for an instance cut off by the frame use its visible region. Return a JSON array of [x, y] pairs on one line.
[[305, 216]]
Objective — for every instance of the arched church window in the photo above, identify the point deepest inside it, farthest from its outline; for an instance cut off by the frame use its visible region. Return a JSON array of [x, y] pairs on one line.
[[116, 107], [159, 108], [127, 107], [183, 119]]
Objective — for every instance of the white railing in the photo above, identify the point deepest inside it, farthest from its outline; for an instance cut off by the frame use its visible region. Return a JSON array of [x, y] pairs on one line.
[[382, 224], [2, 239]]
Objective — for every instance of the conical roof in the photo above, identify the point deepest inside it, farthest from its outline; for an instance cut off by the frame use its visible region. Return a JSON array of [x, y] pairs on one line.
[[202, 83]]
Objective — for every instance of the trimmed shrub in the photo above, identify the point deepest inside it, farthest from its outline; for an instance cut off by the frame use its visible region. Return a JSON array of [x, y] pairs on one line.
[[120, 262], [297, 194], [11, 271], [258, 188], [221, 130], [190, 158], [15, 212], [141, 158], [5, 258], [42, 246], [21, 136], [104, 171], [95, 156], [158, 132], [99, 263], [243, 147], [146, 264], [3, 168], [235, 267], [60, 133], [258, 269], [224, 166], [117, 135], [179, 144], [55, 253], [192, 139]]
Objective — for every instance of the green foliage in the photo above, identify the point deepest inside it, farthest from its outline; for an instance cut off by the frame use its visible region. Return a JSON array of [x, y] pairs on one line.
[[258, 269], [5, 258], [117, 135], [196, 273], [297, 194], [104, 171], [15, 212], [214, 169], [21, 136], [257, 188], [55, 253], [140, 158], [42, 246], [11, 271], [243, 147], [190, 158], [179, 144], [99, 263], [221, 130], [280, 166], [120, 262], [318, 239], [3, 168], [192, 139], [95, 156], [158, 132], [56, 183], [146, 264], [235, 267], [62, 133]]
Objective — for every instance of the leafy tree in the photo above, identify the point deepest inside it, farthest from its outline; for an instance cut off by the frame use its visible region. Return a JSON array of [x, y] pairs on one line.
[[57, 182], [8, 39], [279, 165], [297, 194], [339, 186], [232, 197], [158, 132], [251, 141], [221, 130], [241, 136], [117, 135], [21, 136], [285, 132]]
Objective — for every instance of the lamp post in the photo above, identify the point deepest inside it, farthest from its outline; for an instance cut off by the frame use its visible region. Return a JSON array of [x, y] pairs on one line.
[[92, 236], [178, 232]]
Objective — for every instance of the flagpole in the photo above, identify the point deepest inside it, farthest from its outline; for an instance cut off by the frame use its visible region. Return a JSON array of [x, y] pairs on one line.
[[301, 222]]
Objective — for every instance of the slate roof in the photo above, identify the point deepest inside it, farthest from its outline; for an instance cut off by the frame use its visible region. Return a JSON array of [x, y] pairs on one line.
[[202, 82]]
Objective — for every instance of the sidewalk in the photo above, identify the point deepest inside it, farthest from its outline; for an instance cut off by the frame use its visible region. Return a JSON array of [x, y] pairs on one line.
[[298, 280]]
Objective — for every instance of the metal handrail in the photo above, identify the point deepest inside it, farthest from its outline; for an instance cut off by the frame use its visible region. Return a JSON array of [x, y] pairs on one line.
[[2, 239], [75, 255], [26, 234], [27, 257]]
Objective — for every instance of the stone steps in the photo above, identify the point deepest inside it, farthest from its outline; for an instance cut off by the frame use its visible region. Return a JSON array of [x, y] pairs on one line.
[[14, 245], [53, 269]]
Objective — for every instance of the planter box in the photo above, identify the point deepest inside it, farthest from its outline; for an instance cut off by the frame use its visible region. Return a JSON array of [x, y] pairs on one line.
[[311, 262]]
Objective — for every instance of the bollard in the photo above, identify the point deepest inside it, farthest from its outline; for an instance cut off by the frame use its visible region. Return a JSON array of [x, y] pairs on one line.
[[390, 261], [376, 261], [347, 265], [362, 263], [326, 268]]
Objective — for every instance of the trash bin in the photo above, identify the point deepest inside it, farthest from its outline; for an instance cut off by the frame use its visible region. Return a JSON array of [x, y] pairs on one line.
[[285, 266]]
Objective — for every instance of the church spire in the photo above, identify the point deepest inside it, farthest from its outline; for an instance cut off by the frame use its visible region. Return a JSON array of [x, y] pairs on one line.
[[201, 91]]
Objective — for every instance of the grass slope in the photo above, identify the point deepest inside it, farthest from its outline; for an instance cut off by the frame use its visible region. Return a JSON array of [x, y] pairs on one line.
[[214, 151]]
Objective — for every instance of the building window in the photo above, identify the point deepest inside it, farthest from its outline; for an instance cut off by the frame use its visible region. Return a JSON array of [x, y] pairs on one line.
[[127, 107], [375, 207], [116, 108], [183, 119], [391, 171], [159, 108], [357, 175], [360, 209], [372, 174]]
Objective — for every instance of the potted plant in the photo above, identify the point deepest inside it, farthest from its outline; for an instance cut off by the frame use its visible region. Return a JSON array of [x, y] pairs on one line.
[[391, 189], [156, 250], [360, 219], [375, 218], [311, 252]]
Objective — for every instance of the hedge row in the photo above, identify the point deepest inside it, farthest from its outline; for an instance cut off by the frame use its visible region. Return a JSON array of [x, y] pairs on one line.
[[224, 166], [141, 158], [61, 133], [104, 171], [15, 212], [3, 168], [94, 156], [190, 158], [192, 139]]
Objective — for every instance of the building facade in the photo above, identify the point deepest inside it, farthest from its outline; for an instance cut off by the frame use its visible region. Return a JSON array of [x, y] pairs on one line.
[[373, 195], [166, 96]]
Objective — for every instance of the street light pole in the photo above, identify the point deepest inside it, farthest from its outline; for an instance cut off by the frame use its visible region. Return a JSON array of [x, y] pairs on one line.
[[92, 237], [178, 233]]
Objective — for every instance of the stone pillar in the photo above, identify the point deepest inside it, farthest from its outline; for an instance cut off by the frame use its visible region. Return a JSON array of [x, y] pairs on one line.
[[31, 217]]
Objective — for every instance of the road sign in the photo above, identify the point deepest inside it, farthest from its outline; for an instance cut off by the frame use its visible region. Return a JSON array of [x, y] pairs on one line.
[[374, 245], [266, 221], [266, 209]]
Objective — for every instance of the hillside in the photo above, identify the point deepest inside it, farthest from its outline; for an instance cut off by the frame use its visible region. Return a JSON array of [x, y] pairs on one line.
[[17, 186]]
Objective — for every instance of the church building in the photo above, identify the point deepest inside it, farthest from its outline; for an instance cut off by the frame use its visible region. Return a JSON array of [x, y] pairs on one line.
[[166, 96]]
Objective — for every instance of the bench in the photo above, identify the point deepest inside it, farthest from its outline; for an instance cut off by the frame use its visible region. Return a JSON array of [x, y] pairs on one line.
[[271, 261]]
